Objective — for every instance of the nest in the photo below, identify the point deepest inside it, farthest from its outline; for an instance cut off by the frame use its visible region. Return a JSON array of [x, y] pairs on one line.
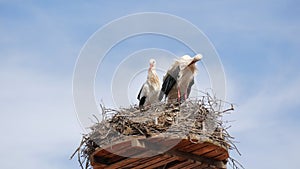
[[192, 119]]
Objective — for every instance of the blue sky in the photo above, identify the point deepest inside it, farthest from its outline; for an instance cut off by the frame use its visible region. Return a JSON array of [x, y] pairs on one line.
[[258, 44]]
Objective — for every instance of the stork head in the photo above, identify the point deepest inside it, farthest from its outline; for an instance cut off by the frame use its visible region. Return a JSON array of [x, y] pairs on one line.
[[152, 63], [186, 57], [196, 59]]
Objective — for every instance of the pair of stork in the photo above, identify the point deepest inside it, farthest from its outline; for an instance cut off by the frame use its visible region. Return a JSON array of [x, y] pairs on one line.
[[176, 85]]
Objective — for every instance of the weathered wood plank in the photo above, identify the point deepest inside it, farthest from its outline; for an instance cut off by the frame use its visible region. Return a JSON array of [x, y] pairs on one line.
[[196, 164], [140, 161], [193, 147], [222, 157], [122, 163], [170, 143], [99, 166], [162, 162], [100, 152], [182, 144], [131, 152], [204, 165], [218, 151], [204, 150], [138, 153], [155, 160], [194, 157], [118, 147], [181, 165]]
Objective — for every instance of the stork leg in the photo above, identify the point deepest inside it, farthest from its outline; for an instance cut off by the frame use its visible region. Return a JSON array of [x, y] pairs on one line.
[[178, 94], [185, 96]]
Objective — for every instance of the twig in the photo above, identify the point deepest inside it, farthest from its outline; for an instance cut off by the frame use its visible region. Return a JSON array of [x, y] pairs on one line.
[[191, 117]]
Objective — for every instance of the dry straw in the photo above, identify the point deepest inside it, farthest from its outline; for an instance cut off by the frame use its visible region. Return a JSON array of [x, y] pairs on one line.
[[195, 118]]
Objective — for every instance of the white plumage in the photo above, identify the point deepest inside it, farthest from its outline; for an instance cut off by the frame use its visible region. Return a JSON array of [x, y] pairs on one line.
[[150, 90], [179, 79]]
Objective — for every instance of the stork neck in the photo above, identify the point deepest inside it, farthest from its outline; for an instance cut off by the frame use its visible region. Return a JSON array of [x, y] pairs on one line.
[[151, 72], [151, 69]]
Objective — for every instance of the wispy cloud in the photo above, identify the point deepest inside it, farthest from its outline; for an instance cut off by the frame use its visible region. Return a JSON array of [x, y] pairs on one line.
[[266, 122], [38, 119], [40, 41]]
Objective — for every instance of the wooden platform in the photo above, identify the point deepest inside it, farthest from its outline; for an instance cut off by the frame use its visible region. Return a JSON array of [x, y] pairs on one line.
[[159, 152]]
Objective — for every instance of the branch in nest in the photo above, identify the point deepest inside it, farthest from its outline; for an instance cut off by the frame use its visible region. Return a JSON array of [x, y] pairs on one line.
[[235, 164], [184, 119]]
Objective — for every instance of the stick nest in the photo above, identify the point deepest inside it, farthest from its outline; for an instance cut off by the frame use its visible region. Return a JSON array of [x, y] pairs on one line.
[[193, 119]]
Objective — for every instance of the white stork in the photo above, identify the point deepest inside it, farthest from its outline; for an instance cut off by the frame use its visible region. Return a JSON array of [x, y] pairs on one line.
[[150, 89], [179, 79]]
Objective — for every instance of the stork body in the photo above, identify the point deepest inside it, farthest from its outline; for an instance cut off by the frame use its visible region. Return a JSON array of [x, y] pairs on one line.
[[178, 81], [150, 90]]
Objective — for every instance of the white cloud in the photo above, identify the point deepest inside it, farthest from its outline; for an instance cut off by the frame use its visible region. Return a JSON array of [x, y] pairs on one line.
[[38, 123], [264, 124], [271, 99]]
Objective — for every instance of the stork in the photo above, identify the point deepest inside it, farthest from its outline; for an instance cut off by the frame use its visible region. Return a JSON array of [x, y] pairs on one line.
[[149, 92], [178, 81]]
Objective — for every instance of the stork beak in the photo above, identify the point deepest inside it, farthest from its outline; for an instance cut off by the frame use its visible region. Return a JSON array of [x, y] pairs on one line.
[[196, 59]]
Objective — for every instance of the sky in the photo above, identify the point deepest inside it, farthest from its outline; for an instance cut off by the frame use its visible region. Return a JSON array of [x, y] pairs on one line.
[[257, 42]]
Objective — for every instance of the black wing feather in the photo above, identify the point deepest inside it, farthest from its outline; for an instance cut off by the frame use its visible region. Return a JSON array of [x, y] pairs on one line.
[[142, 101], [139, 95], [169, 82]]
